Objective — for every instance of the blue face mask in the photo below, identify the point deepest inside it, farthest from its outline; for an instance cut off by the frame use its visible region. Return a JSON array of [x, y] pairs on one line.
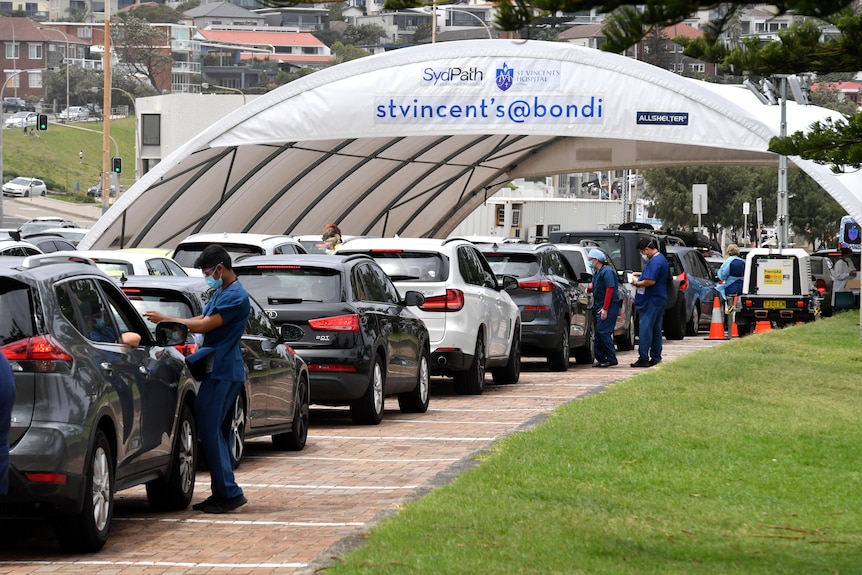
[[214, 283], [100, 322]]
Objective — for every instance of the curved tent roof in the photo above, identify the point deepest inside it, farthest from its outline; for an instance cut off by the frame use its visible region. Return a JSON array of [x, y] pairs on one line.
[[412, 141]]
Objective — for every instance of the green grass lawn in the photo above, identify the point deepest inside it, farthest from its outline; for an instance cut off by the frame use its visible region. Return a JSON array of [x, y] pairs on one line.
[[53, 156], [744, 458]]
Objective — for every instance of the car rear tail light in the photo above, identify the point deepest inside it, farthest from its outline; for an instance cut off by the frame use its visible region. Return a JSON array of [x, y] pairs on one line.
[[41, 354], [683, 277], [452, 301], [536, 307], [820, 285], [537, 285], [336, 323], [45, 477]]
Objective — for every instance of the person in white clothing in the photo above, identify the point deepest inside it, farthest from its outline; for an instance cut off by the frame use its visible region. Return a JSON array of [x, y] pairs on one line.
[[842, 272]]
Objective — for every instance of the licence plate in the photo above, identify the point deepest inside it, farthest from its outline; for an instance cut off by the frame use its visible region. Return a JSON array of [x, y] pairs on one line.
[[774, 304]]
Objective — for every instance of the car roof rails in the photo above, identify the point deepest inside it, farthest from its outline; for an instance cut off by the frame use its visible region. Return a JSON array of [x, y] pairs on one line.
[[54, 258], [635, 226]]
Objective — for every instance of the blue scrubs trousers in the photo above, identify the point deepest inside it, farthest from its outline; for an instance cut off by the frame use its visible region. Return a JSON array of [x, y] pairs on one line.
[[650, 318], [213, 410]]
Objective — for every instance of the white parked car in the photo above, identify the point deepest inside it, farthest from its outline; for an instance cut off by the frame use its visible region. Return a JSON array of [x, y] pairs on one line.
[[74, 114], [118, 263], [17, 248], [237, 244], [21, 120], [473, 323], [25, 187]]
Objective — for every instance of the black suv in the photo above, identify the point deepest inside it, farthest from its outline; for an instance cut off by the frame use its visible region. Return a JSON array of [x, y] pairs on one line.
[[622, 246], [92, 415]]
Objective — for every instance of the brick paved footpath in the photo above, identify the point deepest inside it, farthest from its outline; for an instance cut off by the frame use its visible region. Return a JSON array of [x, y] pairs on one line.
[[305, 508]]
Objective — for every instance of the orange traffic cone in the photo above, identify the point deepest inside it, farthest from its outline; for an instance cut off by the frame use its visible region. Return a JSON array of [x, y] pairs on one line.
[[716, 326], [762, 326]]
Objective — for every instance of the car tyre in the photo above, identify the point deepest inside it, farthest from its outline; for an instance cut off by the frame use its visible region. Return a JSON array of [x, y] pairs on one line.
[[675, 320], [693, 325], [416, 401], [298, 436], [237, 431], [558, 359], [175, 492], [472, 381], [511, 372], [87, 531], [626, 341], [586, 353], [368, 409]]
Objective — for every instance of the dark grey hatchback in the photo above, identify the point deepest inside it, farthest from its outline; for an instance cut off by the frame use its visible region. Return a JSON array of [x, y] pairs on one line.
[[555, 309], [95, 412]]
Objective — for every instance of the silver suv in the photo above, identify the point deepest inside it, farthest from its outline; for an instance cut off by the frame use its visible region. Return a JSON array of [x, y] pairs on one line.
[[237, 244], [472, 322], [92, 415]]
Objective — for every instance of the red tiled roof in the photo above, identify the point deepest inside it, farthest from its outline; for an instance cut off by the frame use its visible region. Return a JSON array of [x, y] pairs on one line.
[[259, 38], [840, 86], [682, 30]]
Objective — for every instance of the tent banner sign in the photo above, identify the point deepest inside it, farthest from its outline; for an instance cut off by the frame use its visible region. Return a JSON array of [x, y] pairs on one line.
[[509, 92]]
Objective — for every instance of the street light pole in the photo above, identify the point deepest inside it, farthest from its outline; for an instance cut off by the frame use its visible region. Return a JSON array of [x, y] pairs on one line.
[[66, 59], [207, 86], [2, 93]]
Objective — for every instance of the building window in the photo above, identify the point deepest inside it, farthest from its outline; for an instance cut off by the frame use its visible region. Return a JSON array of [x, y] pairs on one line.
[[34, 79], [151, 129], [35, 51], [12, 50], [501, 215], [696, 67], [516, 215], [14, 82]]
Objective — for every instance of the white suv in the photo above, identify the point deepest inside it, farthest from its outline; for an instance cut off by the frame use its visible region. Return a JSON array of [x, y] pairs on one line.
[[237, 244], [471, 320]]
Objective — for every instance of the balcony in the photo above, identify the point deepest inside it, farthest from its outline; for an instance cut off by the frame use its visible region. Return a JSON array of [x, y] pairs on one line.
[[185, 67], [185, 46]]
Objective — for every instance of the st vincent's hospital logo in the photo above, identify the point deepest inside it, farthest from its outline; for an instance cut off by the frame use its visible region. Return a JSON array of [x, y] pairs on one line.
[[505, 77]]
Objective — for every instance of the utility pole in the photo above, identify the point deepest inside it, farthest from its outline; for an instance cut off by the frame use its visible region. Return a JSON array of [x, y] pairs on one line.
[[106, 117]]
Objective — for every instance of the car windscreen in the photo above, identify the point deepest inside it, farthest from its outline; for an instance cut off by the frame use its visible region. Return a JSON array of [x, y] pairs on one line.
[[410, 266], [518, 265], [314, 246], [16, 317], [281, 284], [168, 302], [187, 254]]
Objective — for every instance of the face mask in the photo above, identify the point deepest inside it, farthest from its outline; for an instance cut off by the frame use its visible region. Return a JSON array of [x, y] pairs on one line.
[[645, 258], [100, 322], [592, 266], [213, 283]]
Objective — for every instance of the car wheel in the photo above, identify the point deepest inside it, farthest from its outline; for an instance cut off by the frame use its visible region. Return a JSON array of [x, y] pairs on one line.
[[368, 409], [416, 400], [626, 341], [558, 359], [472, 381], [296, 439], [87, 531], [26, 194], [674, 320], [511, 372], [693, 325], [237, 431], [586, 353], [175, 492]]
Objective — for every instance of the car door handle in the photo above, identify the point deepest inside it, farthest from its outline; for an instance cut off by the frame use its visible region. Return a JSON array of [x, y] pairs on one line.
[[106, 368]]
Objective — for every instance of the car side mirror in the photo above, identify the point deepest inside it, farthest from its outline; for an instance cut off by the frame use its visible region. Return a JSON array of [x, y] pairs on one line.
[[585, 277], [171, 333], [508, 282], [413, 298]]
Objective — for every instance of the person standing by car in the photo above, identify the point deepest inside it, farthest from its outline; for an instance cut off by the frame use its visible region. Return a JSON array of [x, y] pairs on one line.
[[842, 271], [606, 307], [650, 301], [731, 273], [7, 401], [218, 363]]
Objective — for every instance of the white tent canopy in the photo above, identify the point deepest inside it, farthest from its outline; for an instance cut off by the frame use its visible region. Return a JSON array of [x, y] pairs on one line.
[[412, 141]]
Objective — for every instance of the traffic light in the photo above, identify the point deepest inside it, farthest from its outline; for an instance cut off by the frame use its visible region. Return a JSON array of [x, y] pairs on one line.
[[42, 123], [118, 165]]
